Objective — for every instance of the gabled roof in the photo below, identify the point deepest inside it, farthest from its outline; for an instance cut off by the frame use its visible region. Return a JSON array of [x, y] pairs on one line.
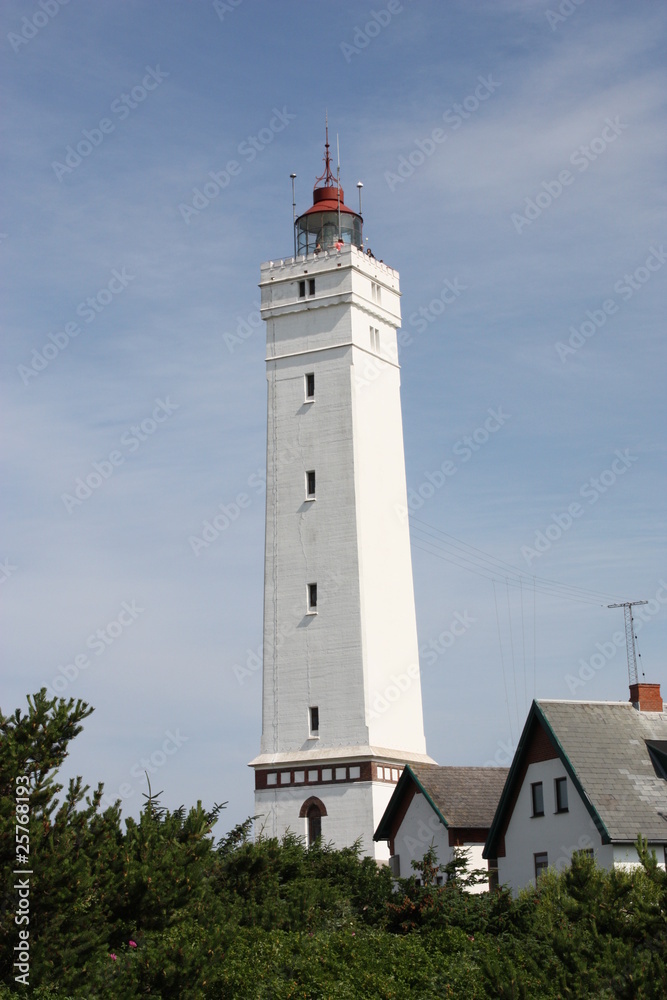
[[604, 749], [462, 797]]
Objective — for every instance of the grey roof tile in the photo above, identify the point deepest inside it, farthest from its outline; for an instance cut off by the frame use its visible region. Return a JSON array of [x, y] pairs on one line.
[[605, 744], [466, 796]]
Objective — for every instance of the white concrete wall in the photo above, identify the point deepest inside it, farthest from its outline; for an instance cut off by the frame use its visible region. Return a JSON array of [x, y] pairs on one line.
[[625, 855], [389, 630], [362, 643], [353, 811], [559, 834]]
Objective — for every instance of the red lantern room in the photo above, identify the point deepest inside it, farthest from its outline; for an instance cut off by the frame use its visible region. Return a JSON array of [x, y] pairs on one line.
[[329, 220]]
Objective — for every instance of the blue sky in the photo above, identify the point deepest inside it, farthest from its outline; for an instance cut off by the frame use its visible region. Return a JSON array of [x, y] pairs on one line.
[[512, 156]]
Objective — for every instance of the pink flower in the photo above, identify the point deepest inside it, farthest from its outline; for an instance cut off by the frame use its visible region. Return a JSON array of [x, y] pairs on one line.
[[112, 956], [132, 944]]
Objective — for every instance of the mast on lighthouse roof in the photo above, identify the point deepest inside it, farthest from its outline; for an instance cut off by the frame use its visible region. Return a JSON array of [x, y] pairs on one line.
[[329, 219]]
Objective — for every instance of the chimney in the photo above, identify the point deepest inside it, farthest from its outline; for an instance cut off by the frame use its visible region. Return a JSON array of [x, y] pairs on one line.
[[646, 697]]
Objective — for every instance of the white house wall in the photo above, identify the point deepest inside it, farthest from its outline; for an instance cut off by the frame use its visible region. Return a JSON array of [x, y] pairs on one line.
[[420, 829], [557, 834]]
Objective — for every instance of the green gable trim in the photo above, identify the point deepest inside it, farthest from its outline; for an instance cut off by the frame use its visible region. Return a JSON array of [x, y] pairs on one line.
[[536, 716], [491, 846], [383, 831], [565, 760]]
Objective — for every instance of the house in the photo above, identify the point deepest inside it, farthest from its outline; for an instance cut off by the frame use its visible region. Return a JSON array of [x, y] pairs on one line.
[[586, 776], [445, 807]]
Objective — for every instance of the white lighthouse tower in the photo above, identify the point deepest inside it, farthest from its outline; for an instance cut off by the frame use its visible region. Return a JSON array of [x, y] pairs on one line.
[[342, 706]]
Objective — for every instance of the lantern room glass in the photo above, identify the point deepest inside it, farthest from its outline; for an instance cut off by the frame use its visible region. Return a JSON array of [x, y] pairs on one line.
[[321, 228]]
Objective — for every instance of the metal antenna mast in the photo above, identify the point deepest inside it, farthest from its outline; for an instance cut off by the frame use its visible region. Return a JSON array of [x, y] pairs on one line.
[[630, 636]]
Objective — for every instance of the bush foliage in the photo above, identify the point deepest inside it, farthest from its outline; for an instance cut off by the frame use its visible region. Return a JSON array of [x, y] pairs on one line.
[[158, 908]]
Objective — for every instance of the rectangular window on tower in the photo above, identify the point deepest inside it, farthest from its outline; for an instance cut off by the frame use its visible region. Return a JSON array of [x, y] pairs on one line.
[[312, 598], [302, 289], [311, 286], [314, 720], [310, 386], [310, 485]]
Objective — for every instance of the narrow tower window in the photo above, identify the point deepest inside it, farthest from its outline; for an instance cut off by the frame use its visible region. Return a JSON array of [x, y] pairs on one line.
[[310, 485], [310, 385], [314, 720], [311, 286], [312, 598], [302, 289]]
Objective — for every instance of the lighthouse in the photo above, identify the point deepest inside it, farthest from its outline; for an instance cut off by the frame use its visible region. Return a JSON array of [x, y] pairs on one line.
[[341, 699]]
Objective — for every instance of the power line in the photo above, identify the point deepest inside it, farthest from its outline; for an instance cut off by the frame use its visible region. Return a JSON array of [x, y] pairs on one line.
[[477, 560], [491, 574]]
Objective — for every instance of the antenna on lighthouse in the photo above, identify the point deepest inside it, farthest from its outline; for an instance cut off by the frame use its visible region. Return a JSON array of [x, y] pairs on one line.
[[630, 637], [338, 181], [293, 176]]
